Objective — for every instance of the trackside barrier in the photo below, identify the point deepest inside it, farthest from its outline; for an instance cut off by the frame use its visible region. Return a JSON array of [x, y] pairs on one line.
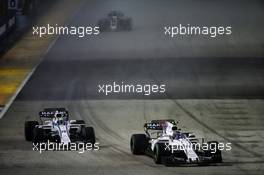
[[7, 25]]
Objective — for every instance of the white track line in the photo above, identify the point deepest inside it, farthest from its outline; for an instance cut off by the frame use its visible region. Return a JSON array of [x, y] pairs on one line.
[[4, 109], [11, 100]]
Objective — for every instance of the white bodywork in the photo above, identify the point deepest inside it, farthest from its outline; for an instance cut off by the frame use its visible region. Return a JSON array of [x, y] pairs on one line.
[[63, 130], [167, 136]]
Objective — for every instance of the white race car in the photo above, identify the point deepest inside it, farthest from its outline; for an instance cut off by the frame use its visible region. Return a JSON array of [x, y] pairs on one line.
[[165, 142], [55, 126]]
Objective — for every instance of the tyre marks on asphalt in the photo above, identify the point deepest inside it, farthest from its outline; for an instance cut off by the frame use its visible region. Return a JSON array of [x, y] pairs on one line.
[[243, 125], [191, 115], [244, 139], [86, 110], [109, 138]]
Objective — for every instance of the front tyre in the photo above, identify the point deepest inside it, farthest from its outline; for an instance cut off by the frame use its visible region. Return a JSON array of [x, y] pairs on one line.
[[38, 135], [138, 144], [29, 128], [158, 153]]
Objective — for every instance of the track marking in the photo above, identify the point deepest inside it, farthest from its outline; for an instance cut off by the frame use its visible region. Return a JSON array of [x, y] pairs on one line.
[[191, 115], [13, 97]]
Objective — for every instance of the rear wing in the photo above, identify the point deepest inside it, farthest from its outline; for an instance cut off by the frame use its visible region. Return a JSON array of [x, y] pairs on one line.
[[157, 126], [50, 112], [154, 126], [160, 124]]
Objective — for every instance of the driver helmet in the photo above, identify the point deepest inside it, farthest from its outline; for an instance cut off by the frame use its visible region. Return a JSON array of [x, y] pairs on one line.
[[59, 118], [178, 135]]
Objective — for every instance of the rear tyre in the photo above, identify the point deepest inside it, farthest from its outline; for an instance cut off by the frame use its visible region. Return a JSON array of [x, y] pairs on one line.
[[128, 24], [217, 158], [215, 152], [103, 25], [138, 144], [88, 135], [29, 128]]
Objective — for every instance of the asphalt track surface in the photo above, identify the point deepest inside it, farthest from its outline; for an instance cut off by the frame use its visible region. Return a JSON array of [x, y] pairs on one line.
[[214, 88]]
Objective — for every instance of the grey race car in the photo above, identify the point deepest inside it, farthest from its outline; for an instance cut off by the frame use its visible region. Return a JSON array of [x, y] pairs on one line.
[[115, 21]]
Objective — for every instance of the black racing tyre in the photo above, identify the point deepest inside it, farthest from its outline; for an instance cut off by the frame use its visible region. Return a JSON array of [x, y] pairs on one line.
[[217, 158], [138, 144], [213, 146], [80, 122], [28, 129], [38, 135], [103, 25], [216, 154], [158, 153], [128, 24], [88, 135]]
